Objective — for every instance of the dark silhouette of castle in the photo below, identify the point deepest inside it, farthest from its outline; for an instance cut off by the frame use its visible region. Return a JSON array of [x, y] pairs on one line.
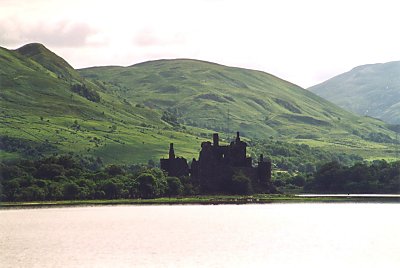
[[218, 165]]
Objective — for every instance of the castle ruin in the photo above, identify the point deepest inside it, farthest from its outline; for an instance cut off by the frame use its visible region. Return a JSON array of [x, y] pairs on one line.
[[218, 164]]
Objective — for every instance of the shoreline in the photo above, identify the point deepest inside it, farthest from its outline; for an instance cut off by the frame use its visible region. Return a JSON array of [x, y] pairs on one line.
[[210, 200]]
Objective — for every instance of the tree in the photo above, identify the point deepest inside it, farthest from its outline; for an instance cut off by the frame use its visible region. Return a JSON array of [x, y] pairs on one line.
[[11, 189], [49, 171], [2, 195], [114, 170], [328, 178], [151, 163], [175, 186], [32, 193], [67, 161], [71, 191], [131, 185], [147, 185], [170, 118], [54, 191], [9, 172], [86, 188], [86, 92], [112, 189], [298, 180]]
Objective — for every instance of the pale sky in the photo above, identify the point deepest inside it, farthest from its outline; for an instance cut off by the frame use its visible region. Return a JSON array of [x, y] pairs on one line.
[[303, 41]]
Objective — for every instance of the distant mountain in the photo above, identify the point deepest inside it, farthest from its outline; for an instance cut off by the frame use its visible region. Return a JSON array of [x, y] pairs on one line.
[[131, 114], [372, 90], [221, 98], [218, 97]]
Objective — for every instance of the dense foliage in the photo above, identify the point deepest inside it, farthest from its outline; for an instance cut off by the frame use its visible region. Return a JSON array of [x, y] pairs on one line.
[[24, 147], [86, 92], [68, 177], [376, 177], [170, 118], [299, 157]]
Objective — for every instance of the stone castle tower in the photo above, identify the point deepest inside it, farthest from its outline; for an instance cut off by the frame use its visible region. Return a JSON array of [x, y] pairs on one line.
[[217, 164]]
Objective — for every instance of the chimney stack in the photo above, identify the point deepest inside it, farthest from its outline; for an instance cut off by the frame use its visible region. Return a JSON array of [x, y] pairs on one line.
[[215, 139], [237, 137], [171, 151]]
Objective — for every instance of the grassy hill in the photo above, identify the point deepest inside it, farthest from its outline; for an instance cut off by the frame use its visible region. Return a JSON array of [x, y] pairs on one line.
[[38, 107], [46, 107], [372, 90], [227, 99]]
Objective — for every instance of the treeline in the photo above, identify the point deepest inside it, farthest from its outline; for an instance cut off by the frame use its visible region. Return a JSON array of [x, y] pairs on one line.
[[25, 147], [376, 177], [299, 157], [69, 177]]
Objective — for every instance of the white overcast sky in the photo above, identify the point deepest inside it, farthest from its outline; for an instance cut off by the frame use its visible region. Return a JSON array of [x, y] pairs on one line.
[[304, 41]]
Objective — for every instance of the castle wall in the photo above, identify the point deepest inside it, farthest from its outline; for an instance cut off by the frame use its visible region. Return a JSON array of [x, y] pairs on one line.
[[217, 164]]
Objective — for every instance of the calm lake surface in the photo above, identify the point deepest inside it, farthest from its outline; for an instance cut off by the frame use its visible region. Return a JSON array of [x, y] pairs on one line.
[[273, 235]]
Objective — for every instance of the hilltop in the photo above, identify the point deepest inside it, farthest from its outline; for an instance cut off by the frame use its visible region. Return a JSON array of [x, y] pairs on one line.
[[372, 90], [131, 114], [41, 112], [256, 103]]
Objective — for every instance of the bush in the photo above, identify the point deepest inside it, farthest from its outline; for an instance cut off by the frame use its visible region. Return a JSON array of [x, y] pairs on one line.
[[175, 186], [111, 188], [147, 185], [378, 177], [32, 193], [49, 171], [170, 118], [86, 92], [298, 180], [114, 170], [71, 191]]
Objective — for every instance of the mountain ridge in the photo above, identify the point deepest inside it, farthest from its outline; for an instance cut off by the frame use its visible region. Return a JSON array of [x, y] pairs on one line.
[[371, 89], [145, 106], [264, 94]]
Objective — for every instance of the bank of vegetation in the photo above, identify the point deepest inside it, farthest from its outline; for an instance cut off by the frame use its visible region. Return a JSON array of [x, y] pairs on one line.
[[376, 177], [69, 177]]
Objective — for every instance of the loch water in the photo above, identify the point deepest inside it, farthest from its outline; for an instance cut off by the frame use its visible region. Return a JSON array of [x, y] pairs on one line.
[[268, 235]]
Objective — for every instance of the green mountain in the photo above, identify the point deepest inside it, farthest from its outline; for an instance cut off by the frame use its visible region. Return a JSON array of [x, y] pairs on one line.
[[50, 61], [224, 99], [131, 114], [42, 112], [372, 90]]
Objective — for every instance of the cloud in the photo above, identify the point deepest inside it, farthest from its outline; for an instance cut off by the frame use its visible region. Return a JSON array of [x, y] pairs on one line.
[[58, 34], [148, 38]]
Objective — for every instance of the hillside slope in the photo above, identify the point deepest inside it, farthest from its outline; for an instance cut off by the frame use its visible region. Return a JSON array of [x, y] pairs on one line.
[[48, 107], [224, 99], [372, 90], [41, 113]]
